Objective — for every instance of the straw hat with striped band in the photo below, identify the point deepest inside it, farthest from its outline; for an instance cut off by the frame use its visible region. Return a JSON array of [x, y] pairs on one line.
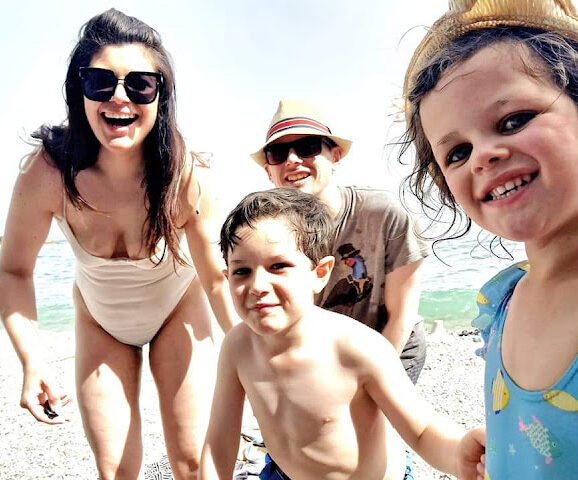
[[557, 16], [297, 117]]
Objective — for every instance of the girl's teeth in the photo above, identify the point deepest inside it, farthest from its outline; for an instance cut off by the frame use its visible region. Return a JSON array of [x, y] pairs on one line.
[[503, 191]]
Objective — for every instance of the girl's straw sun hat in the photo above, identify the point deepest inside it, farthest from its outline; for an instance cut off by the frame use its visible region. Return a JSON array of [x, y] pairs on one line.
[[557, 16]]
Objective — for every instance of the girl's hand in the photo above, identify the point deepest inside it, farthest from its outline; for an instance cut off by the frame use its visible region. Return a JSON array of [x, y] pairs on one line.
[[471, 452], [482, 467], [41, 400]]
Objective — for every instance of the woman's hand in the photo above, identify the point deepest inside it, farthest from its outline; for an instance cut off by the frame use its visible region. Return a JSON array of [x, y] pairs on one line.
[[41, 400]]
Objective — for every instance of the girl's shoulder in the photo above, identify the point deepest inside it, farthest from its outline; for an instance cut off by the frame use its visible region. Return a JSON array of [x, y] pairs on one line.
[[492, 295]]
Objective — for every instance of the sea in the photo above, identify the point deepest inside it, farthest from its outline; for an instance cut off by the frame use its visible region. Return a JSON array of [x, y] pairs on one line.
[[451, 279]]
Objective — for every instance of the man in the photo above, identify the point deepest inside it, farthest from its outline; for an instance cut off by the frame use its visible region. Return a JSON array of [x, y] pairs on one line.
[[376, 277]]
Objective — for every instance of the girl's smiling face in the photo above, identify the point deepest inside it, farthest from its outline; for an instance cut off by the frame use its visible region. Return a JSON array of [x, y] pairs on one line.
[[118, 123], [506, 141]]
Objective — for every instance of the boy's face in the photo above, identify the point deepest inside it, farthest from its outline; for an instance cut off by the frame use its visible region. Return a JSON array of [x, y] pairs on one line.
[[272, 282]]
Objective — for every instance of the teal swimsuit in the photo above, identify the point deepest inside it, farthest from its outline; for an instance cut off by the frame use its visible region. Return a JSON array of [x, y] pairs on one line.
[[530, 435]]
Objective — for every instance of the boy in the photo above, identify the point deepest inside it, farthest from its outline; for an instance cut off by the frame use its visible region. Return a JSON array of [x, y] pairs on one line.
[[319, 394]]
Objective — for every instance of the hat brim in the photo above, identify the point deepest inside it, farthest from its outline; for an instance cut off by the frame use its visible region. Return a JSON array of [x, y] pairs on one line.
[[342, 143]]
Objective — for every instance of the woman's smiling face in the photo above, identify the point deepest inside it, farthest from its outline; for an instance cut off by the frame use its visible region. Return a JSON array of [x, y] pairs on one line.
[[118, 123]]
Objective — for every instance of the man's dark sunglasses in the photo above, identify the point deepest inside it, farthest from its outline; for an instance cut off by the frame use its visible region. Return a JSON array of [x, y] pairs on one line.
[[99, 84], [305, 147]]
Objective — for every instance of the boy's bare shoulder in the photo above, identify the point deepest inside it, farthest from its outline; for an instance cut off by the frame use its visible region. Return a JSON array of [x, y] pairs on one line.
[[239, 343], [342, 324], [239, 334], [351, 336]]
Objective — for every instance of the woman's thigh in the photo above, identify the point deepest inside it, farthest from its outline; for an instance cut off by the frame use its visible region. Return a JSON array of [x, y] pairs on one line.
[[108, 385], [183, 362]]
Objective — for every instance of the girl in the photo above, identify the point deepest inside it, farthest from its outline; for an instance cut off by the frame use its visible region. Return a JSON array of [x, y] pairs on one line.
[[118, 181], [491, 96]]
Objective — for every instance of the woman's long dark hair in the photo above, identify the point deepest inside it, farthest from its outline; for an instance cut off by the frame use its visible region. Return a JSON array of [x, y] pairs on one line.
[[74, 147]]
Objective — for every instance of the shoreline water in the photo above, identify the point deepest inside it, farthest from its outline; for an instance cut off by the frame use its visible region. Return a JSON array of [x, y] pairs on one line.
[[451, 380], [448, 289]]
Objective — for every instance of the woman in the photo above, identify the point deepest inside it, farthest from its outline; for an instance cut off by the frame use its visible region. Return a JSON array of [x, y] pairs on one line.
[[118, 181]]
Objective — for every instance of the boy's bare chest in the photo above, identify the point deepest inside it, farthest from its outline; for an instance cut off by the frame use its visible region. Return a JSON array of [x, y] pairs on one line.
[[305, 395], [306, 383], [315, 415]]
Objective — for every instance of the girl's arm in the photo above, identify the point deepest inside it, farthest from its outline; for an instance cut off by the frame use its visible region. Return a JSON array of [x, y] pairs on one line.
[[202, 235], [222, 441], [27, 226], [434, 437]]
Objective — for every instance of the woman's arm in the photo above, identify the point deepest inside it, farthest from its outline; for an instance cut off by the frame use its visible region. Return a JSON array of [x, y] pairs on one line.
[[202, 235], [27, 225], [222, 441]]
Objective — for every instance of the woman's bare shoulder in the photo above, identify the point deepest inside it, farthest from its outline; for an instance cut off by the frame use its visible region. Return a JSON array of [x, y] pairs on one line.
[[39, 178], [196, 196]]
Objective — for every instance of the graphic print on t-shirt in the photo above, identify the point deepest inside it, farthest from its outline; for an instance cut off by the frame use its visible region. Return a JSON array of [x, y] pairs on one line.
[[356, 285]]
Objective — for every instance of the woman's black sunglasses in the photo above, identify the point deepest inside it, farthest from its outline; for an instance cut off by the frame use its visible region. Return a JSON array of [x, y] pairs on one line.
[[99, 84], [305, 147]]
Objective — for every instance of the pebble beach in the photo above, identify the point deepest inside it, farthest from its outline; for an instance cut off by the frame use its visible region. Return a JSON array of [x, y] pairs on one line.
[[451, 380]]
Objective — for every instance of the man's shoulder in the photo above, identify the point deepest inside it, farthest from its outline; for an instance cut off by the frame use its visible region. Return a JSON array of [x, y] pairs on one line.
[[370, 192], [374, 201]]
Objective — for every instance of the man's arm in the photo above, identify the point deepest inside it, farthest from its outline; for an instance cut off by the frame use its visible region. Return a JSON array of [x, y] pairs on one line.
[[402, 291], [222, 441]]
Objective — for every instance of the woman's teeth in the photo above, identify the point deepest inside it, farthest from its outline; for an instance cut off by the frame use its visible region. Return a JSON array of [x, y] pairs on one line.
[[119, 119]]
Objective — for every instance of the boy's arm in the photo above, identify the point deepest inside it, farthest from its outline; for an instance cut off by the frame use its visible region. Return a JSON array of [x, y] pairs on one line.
[[222, 441], [434, 437]]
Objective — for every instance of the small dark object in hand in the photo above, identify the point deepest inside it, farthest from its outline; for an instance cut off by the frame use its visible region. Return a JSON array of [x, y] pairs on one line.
[[48, 411]]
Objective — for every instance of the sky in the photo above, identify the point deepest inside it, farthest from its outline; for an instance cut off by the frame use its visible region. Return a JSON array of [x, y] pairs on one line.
[[234, 61]]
